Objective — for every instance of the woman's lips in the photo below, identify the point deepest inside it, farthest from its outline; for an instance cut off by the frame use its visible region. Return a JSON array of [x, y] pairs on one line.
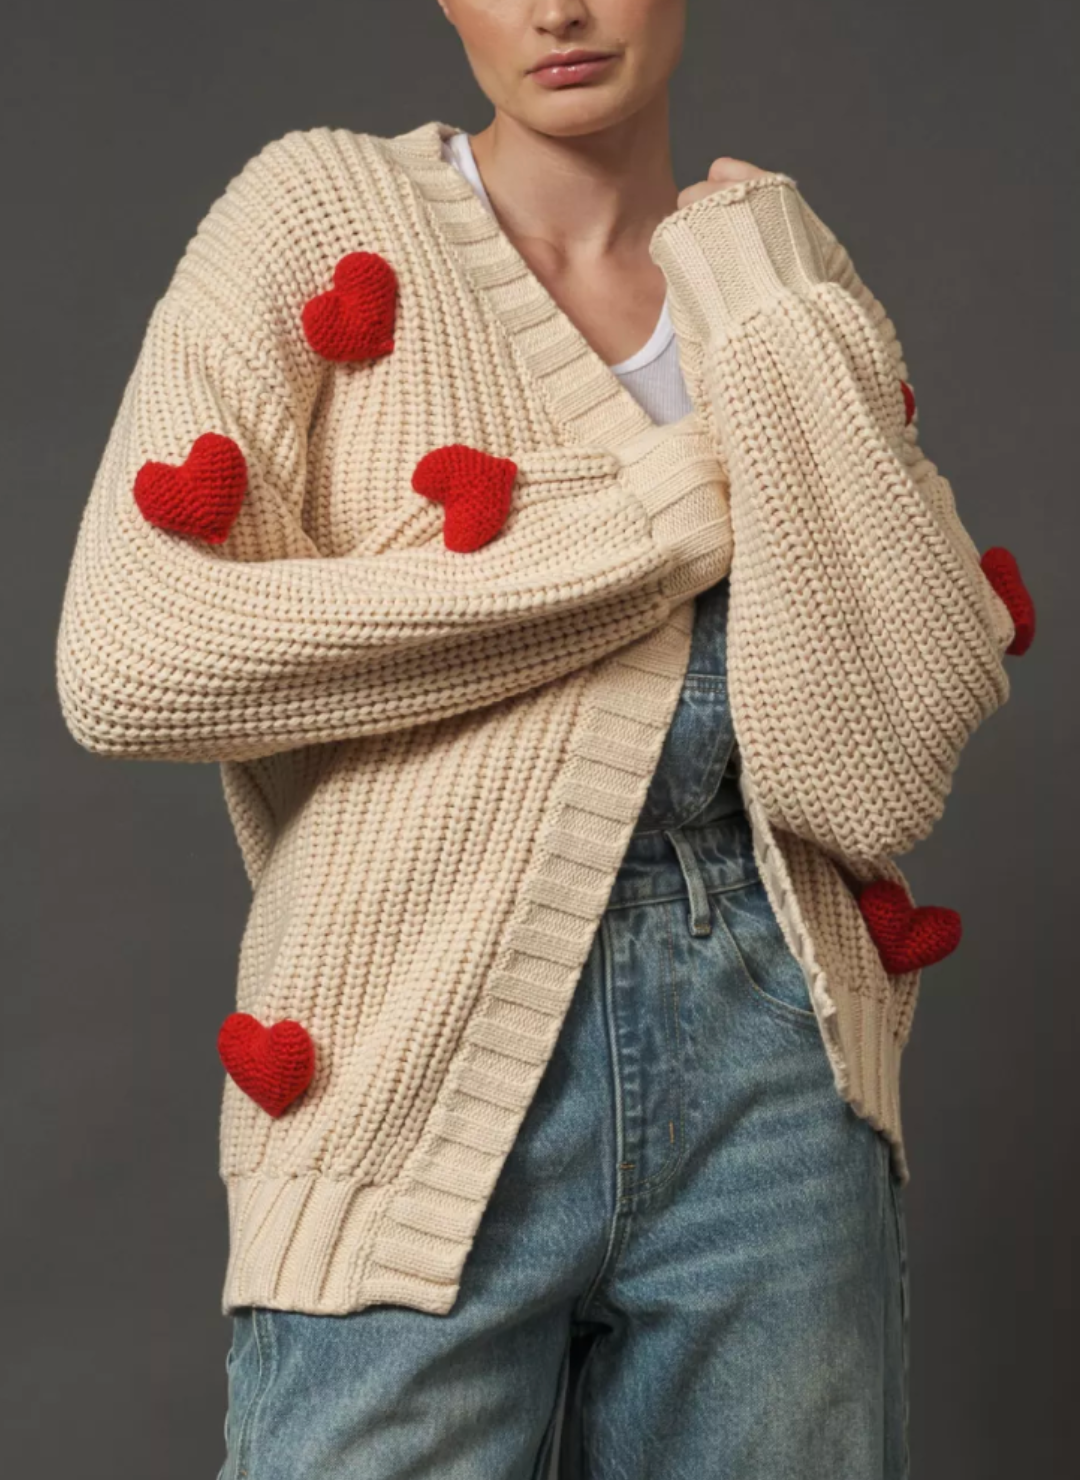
[[571, 69]]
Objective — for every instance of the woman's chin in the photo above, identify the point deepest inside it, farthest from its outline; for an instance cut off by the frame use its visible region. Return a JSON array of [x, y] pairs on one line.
[[575, 112]]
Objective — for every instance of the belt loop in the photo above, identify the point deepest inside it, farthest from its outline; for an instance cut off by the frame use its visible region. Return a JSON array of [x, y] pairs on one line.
[[699, 917]]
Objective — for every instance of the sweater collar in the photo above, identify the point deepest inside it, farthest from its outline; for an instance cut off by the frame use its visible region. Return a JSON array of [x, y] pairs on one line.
[[582, 393]]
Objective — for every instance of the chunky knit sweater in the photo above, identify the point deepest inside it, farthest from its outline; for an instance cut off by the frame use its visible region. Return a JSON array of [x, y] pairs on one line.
[[377, 531]]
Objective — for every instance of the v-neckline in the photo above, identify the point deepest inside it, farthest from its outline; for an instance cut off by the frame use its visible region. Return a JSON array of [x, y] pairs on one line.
[[464, 159], [583, 394]]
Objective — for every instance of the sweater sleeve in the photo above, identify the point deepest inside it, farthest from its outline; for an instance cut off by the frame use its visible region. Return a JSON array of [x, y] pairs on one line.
[[173, 648], [866, 642]]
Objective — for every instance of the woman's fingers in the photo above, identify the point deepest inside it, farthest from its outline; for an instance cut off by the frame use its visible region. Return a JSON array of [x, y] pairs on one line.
[[728, 171], [722, 172], [692, 193]]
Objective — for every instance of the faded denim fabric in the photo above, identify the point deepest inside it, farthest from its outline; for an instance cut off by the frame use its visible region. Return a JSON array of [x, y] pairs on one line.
[[693, 1266]]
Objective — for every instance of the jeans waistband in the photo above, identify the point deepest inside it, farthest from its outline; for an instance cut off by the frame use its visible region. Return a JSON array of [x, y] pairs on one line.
[[689, 861]]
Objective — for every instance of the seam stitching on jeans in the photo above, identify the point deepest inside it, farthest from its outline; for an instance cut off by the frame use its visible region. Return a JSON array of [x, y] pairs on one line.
[[802, 1016]]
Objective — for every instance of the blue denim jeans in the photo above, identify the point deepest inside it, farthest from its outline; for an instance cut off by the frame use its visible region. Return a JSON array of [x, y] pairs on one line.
[[693, 1265]]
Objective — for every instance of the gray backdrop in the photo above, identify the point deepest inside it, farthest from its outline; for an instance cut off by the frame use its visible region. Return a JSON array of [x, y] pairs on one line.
[[937, 138]]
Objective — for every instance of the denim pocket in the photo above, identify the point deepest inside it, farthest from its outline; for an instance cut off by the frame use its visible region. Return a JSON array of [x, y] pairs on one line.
[[771, 971]]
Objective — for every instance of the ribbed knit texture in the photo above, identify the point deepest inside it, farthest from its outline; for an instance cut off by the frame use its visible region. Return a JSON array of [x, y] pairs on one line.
[[434, 758]]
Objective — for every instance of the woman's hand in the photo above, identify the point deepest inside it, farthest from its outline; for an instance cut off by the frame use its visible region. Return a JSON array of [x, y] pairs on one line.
[[722, 172]]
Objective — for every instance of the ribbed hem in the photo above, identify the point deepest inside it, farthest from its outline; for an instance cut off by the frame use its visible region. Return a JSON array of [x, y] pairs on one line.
[[872, 1053]]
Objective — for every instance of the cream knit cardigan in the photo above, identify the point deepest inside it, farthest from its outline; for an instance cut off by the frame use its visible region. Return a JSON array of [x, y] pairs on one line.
[[433, 760]]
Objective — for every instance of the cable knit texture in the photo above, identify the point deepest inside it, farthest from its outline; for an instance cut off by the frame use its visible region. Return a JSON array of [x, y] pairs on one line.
[[433, 749]]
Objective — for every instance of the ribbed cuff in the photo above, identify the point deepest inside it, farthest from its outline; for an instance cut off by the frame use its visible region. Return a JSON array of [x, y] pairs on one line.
[[676, 479], [735, 253]]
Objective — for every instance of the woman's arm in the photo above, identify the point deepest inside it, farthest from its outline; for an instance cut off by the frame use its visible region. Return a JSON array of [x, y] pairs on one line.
[[866, 642], [175, 649]]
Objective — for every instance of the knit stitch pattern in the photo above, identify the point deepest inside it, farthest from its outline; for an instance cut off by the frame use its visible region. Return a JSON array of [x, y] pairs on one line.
[[433, 758]]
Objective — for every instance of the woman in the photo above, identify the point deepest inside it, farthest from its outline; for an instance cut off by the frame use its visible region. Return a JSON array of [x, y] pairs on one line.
[[549, 561]]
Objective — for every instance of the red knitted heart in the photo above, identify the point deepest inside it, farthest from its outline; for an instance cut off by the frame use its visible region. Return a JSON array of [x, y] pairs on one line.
[[202, 496], [273, 1065], [909, 401], [474, 488], [907, 938], [355, 319], [1001, 570]]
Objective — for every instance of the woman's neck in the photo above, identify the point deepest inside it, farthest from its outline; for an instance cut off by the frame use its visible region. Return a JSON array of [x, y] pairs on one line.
[[586, 197]]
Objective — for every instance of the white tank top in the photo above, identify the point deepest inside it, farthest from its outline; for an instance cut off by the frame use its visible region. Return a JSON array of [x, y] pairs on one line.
[[653, 375]]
